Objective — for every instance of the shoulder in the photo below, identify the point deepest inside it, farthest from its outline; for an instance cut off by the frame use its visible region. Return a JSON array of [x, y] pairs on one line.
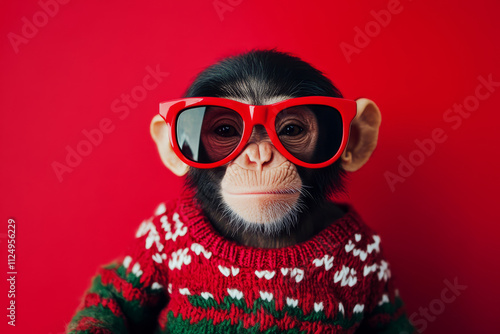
[[354, 232], [156, 236], [361, 248], [146, 252], [365, 263], [165, 220]]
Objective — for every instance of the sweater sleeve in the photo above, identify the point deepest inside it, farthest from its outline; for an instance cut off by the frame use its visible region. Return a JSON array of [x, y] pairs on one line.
[[126, 295], [386, 312]]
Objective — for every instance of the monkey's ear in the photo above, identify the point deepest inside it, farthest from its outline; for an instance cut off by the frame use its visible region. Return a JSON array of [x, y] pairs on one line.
[[363, 137], [161, 137]]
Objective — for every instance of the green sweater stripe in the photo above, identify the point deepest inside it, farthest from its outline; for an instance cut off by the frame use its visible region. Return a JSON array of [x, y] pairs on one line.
[[388, 308], [134, 311], [103, 314], [401, 325], [270, 307], [131, 278], [179, 326]]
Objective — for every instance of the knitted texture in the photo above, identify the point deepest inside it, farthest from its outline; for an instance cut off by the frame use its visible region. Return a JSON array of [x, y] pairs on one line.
[[181, 276]]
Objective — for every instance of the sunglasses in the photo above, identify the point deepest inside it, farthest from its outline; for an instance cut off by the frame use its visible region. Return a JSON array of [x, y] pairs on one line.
[[208, 132]]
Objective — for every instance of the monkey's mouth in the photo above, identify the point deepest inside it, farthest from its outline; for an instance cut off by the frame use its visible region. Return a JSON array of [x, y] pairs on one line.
[[261, 205], [286, 191]]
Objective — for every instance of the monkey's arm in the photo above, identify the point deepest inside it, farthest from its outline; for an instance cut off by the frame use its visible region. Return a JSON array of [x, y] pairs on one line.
[[386, 312], [126, 295], [388, 316]]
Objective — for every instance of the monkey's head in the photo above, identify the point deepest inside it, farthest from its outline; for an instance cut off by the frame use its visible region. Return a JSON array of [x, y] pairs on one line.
[[264, 139]]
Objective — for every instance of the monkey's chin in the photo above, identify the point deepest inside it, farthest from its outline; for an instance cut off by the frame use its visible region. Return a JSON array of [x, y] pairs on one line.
[[267, 207]]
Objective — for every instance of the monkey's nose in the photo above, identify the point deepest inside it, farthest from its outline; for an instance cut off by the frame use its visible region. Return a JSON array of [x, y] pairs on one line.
[[259, 155]]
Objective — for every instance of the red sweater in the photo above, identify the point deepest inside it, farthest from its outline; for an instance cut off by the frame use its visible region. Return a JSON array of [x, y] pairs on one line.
[[181, 276]]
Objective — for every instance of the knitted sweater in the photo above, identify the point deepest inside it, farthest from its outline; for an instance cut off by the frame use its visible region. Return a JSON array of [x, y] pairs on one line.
[[181, 276]]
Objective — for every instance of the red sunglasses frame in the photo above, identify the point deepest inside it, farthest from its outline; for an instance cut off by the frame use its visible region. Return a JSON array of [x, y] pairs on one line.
[[252, 115]]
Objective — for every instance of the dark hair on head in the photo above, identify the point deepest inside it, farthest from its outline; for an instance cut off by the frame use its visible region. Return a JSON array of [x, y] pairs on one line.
[[261, 74]]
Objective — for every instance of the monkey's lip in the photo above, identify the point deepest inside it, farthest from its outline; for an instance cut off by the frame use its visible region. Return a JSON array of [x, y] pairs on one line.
[[287, 191]]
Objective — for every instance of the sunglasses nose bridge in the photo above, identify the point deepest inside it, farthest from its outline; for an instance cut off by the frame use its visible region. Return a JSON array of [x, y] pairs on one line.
[[259, 117], [258, 114]]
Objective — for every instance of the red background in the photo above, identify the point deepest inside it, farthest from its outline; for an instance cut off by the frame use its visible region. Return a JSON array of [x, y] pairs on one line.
[[436, 225]]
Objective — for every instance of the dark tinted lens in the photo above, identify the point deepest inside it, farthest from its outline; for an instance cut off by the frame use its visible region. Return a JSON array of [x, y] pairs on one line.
[[311, 133], [208, 134]]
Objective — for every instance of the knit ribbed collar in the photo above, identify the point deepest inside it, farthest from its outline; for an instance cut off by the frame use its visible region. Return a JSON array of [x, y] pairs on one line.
[[327, 241]]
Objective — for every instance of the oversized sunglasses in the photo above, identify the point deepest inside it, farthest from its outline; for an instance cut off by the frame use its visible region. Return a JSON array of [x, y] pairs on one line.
[[207, 132]]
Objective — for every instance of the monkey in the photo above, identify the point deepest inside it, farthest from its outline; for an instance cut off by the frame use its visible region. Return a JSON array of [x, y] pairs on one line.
[[264, 141]]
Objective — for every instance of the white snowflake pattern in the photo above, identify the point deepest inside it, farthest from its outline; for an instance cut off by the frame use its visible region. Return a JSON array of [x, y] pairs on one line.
[[363, 254], [292, 302], [266, 295], [198, 249], [178, 258], [296, 273], [180, 229], [158, 258], [156, 286], [346, 276], [326, 260], [126, 261], [144, 228], [383, 270], [384, 299], [161, 209], [235, 293], [265, 273], [341, 308], [153, 237], [318, 306], [136, 269], [226, 271], [207, 295], [358, 308]]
